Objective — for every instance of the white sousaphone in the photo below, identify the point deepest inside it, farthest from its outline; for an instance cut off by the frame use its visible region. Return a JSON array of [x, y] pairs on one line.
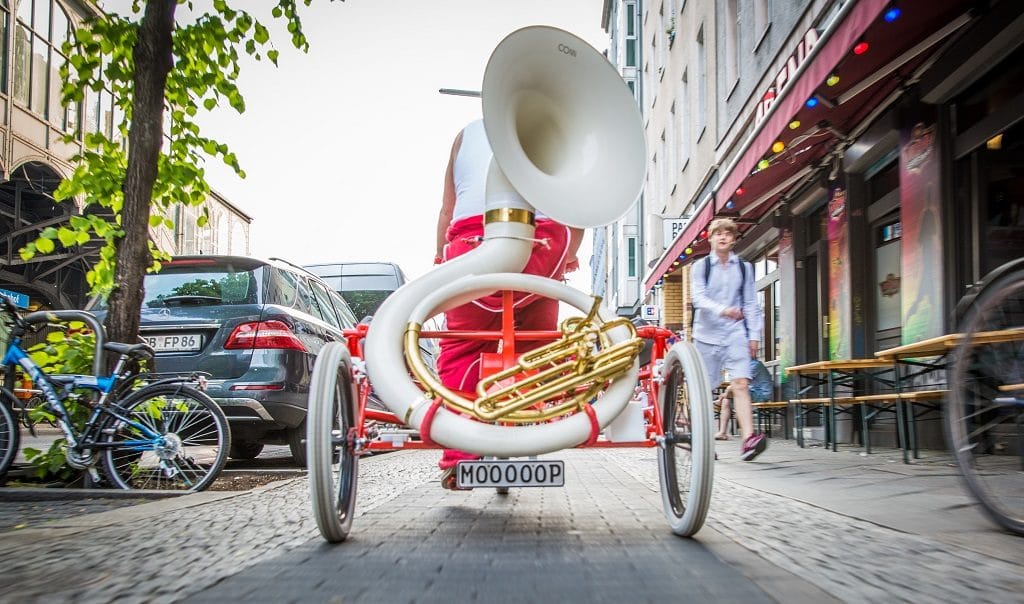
[[568, 140]]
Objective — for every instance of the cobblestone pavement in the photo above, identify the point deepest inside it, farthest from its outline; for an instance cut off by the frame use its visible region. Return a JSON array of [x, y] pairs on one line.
[[601, 538], [849, 558]]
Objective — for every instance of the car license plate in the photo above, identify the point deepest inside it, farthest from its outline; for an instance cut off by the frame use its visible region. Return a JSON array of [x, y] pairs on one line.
[[178, 342], [510, 473]]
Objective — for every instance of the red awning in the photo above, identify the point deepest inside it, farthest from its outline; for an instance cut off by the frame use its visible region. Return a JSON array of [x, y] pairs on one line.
[[865, 81], [689, 236], [829, 53]]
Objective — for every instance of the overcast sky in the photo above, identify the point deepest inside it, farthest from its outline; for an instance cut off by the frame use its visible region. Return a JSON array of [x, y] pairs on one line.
[[345, 147]]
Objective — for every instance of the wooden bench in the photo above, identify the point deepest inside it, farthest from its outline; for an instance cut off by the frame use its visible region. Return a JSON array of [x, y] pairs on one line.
[[902, 403], [765, 412]]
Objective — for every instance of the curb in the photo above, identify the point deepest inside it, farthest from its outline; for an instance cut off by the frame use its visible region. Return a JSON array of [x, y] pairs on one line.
[[61, 494]]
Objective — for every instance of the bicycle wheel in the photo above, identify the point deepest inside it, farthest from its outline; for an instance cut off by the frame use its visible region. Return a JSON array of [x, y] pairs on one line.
[[985, 417], [686, 457], [330, 422], [192, 447], [9, 436]]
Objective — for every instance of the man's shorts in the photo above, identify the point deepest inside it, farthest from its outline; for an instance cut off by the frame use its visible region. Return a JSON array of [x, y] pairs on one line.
[[734, 358]]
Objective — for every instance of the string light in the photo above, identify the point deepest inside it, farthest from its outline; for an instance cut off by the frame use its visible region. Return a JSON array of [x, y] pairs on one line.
[[729, 205], [778, 147], [833, 79], [740, 191], [892, 14], [763, 164], [794, 124], [689, 250], [812, 102], [861, 48]]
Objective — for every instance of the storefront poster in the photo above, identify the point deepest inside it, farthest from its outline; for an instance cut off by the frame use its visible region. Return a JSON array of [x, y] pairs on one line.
[[838, 276], [921, 252]]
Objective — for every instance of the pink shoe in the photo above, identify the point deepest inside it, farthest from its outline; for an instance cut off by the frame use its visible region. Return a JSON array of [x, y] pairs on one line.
[[754, 445]]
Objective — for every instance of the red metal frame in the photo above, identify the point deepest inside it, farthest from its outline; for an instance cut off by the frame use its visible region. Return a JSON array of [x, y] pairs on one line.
[[508, 338]]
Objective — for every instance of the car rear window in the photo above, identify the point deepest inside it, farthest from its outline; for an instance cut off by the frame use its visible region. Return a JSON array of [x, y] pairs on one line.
[[202, 285]]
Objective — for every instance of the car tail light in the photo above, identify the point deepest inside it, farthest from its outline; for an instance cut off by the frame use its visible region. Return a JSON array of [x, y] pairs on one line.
[[263, 334]]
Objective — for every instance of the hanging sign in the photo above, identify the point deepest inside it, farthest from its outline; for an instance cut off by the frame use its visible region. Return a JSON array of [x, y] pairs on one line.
[[673, 228]]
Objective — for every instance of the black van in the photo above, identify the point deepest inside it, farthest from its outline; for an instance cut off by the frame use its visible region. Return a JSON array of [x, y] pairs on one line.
[[364, 285]]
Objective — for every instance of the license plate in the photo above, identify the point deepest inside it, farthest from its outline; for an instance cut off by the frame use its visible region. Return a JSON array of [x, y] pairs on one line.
[[179, 342], [510, 473]]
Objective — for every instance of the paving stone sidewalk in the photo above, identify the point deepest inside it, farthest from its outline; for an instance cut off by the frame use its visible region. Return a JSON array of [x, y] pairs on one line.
[[801, 524]]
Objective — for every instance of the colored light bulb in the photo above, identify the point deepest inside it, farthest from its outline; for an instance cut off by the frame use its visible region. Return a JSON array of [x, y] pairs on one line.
[[892, 14], [861, 48], [778, 147], [689, 250], [812, 102], [740, 191], [794, 124], [763, 164], [832, 80], [729, 205]]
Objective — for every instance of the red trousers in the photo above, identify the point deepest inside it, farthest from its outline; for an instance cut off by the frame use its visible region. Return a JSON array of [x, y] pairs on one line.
[[458, 364]]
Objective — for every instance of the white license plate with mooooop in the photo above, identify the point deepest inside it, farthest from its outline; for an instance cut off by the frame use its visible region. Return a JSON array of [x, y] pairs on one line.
[[178, 342], [510, 473]]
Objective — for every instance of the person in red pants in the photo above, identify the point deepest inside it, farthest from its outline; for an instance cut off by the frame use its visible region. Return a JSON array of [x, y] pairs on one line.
[[460, 229]]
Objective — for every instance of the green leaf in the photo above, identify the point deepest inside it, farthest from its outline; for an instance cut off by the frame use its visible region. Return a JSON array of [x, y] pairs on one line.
[[67, 237], [45, 245]]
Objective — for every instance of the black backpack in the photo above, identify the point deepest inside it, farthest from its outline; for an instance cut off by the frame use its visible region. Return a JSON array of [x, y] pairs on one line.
[[707, 275]]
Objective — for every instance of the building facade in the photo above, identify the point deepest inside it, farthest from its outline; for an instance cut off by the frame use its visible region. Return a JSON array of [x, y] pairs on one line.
[[34, 159], [870, 151]]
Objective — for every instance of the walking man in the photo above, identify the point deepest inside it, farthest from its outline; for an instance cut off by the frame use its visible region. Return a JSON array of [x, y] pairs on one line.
[[727, 324]]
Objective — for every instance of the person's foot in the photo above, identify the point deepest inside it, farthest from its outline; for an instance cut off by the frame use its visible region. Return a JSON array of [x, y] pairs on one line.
[[448, 480], [721, 436], [754, 445]]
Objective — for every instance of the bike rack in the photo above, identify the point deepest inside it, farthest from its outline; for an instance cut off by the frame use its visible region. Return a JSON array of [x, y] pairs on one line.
[[49, 316]]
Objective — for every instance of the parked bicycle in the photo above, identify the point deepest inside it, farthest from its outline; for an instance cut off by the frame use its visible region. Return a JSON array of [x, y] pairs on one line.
[[985, 418], [146, 431]]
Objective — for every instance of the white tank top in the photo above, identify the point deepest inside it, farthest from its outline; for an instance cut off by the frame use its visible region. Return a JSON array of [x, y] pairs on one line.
[[470, 171]]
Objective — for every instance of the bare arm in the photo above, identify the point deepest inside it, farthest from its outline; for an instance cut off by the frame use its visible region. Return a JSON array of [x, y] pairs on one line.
[[572, 262], [444, 217]]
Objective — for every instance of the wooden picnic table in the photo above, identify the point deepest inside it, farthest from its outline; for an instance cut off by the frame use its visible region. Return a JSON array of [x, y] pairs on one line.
[[942, 345]]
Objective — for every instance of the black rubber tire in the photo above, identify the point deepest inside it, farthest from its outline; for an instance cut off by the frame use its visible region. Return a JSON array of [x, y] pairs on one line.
[[985, 414], [296, 438], [10, 437], [245, 450], [168, 409], [331, 420], [686, 457]]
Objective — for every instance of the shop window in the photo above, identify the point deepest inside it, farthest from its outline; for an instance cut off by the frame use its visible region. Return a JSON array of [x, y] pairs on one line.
[[1002, 193], [766, 280], [992, 92], [887, 276]]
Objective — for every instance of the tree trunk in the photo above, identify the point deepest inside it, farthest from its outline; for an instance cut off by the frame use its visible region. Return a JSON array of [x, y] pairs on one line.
[[153, 60]]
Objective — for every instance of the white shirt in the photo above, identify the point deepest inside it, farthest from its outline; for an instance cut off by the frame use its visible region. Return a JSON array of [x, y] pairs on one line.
[[470, 171], [722, 290]]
